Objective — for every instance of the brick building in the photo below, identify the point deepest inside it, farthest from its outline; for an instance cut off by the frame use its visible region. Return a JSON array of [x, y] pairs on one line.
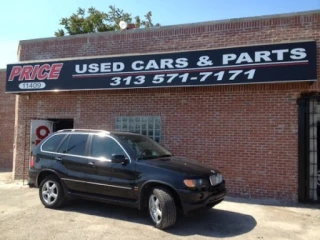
[[7, 103], [262, 136]]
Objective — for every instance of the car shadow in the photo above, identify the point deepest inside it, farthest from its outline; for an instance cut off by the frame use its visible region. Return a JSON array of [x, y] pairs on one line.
[[273, 202], [212, 223]]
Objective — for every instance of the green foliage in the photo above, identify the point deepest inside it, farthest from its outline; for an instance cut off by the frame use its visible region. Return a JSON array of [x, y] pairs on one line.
[[98, 21]]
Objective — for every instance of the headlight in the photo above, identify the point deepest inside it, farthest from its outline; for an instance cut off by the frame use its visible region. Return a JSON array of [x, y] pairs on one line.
[[193, 183], [215, 179]]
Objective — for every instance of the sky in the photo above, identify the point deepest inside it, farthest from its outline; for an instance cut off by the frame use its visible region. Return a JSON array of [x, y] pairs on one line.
[[30, 19]]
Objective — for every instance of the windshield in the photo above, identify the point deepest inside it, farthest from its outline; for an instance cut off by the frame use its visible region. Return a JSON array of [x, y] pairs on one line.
[[144, 147]]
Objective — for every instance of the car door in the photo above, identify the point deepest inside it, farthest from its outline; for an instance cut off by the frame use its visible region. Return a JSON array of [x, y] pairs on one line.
[[99, 165], [72, 154], [123, 176], [110, 179]]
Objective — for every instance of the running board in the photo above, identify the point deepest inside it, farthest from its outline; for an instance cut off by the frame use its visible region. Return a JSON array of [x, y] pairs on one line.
[[111, 200]]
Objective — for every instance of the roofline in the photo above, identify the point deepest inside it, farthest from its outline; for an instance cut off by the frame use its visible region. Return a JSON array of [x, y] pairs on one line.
[[3, 69], [282, 15], [93, 57]]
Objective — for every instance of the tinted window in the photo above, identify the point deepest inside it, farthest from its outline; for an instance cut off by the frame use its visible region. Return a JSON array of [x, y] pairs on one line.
[[64, 145], [105, 147], [52, 143], [76, 144]]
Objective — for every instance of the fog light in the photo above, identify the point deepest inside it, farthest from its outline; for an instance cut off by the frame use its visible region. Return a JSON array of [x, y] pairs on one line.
[[215, 179]]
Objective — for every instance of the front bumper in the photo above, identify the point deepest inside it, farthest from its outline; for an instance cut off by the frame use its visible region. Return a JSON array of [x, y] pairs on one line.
[[193, 199]]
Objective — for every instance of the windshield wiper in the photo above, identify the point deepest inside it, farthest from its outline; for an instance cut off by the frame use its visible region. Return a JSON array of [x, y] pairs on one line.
[[141, 157], [145, 157], [165, 155]]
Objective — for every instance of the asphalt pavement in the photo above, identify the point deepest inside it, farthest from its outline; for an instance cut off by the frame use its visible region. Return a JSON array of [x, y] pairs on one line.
[[22, 216]]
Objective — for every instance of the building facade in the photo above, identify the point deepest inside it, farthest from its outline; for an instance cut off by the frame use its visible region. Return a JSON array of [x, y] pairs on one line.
[[262, 136], [7, 106]]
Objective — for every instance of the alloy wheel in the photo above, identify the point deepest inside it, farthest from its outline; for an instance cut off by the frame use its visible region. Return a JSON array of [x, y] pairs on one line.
[[155, 209], [49, 192]]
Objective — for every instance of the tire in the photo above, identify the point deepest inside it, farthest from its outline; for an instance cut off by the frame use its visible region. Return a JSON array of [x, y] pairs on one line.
[[162, 208], [51, 192]]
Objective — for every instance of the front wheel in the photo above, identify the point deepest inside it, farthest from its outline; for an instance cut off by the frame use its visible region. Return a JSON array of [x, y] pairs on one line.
[[162, 208], [51, 192]]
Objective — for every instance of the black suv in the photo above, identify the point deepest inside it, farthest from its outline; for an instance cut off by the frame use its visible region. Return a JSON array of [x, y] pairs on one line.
[[122, 168]]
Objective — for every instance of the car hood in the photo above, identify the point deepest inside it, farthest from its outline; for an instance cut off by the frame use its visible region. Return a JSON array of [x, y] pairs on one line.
[[182, 165]]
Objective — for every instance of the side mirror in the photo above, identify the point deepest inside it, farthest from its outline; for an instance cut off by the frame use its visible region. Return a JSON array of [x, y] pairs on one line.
[[119, 159]]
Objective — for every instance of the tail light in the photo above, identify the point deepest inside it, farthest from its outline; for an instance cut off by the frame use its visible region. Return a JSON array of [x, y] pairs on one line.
[[32, 161]]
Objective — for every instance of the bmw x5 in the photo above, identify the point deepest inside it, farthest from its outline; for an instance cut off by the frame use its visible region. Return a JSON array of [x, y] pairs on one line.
[[122, 168]]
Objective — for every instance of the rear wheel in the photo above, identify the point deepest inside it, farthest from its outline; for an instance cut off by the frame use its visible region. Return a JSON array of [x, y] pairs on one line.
[[162, 208], [51, 192]]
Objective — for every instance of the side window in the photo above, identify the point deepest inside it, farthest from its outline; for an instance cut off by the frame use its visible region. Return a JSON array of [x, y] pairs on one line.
[[104, 147], [64, 145], [75, 145], [52, 143]]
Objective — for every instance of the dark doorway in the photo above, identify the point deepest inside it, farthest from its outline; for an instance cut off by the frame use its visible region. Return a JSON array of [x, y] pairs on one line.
[[59, 124]]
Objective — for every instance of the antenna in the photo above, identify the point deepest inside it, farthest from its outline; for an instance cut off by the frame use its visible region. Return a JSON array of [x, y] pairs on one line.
[[123, 25]]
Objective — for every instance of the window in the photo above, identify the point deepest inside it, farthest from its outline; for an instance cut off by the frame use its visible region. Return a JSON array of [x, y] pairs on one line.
[[144, 147], [52, 143], [64, 145], [76, 144], [105, 147], [146, 125]]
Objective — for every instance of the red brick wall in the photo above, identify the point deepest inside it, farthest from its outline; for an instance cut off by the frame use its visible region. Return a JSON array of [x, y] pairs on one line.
[[249, 132], [7, 102]]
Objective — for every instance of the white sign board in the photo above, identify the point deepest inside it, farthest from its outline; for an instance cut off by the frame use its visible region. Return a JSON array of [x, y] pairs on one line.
[[40, 129]]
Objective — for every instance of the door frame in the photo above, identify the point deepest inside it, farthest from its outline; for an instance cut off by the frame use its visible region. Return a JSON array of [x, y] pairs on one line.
[[304, 145]]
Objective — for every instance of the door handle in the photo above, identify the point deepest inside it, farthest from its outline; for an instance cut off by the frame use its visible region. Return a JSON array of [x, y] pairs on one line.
[[58, 158], [91, 164]]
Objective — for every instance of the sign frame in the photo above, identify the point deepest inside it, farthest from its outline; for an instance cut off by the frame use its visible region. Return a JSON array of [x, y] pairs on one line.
[[213, 67]]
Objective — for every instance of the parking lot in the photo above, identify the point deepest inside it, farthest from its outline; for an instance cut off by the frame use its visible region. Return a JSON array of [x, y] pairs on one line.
[[22, 216]]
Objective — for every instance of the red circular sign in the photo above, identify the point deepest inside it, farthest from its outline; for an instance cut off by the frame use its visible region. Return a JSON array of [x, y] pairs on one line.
[[38, 132]]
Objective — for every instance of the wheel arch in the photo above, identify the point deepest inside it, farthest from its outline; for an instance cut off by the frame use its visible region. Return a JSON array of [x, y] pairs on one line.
[[44, 173], [149, 185]]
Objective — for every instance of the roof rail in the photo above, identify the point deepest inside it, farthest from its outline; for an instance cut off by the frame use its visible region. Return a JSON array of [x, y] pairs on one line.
[[83, 130]]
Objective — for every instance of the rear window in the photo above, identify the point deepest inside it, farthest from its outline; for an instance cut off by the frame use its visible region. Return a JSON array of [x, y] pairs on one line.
[[52, 143]]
